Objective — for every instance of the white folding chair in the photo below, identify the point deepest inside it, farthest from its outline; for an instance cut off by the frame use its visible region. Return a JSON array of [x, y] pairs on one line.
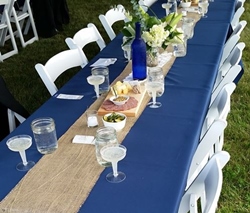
[[85, 36], [220, 107], [212, 134], [239, 28], [58, 64], [228, 71], [206, 187], [232, 40], [23, 20], [12, 116], [5, 28], [205, 149], [236, 18], [145, 4], [240, 3], [228, 47], [113, 15]]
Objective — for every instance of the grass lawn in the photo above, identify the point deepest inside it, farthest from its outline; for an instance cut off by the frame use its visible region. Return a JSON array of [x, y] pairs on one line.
[[25, 84]]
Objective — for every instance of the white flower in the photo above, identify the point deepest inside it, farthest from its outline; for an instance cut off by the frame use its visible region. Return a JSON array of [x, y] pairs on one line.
[[180, 37], [156, 35], [128, 16]]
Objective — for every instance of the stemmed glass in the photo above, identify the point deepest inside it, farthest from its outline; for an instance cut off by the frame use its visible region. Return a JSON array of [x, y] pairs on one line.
[[114, 153], [126, 47], [155, 85], [19, 144], [127, 51], [203, 7], [96, 80]]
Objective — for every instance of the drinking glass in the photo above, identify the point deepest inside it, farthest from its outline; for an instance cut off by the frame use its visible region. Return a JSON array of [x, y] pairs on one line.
[[156, 74], [203, 8], [166, 6], [92, 120], [180, 49], [127, 51], [96, 80], [188, 27], [114, 153], [104, 71], [104, 136], [154, 86], [19, 144], [44, 132]]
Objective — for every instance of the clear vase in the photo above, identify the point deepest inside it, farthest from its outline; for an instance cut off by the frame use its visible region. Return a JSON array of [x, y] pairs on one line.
[[152, 57]]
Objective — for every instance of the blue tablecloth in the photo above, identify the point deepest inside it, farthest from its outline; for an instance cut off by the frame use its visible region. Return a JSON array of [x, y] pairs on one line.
[[162, 142]]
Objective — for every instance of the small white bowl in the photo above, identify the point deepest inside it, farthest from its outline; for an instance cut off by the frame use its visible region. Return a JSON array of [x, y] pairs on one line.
[[117, 125], [119, 100], [186, 4]]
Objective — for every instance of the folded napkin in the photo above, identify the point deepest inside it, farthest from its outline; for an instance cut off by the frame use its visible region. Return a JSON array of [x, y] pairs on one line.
[[104, 62]]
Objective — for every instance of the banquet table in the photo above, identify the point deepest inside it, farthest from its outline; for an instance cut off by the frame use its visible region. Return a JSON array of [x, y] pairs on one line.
[[161, 143]]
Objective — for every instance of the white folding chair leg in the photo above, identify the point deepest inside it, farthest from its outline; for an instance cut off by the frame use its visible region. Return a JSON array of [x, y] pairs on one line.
[[11, 118], [13, 41], [19, 20]]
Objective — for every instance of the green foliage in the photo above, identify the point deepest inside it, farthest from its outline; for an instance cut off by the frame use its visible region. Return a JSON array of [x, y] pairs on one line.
[[25, 84]]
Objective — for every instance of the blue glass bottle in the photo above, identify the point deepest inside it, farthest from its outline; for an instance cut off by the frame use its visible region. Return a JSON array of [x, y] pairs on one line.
[[138, 48]]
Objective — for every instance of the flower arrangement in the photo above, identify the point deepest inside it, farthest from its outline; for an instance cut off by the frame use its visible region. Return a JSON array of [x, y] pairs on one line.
[[157, 33]]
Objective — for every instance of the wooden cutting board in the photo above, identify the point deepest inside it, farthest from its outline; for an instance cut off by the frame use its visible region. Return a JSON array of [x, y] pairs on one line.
[[131, 112]]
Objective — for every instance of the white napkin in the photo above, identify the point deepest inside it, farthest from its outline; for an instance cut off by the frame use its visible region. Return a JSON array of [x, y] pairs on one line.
[[69, 96], [84, 139], [104, 62]]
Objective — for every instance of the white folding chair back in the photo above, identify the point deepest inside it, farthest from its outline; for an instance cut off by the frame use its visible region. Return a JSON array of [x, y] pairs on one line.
[[239, 28], [113, 15], [5, 27], [206, 187], [205, 149], [23, 20], [58, 64], [11, 118], [85, 36], [240, 3], [233, 58], [220, 106], [228, 78], [145, 4], [236, 17], [228, 47]]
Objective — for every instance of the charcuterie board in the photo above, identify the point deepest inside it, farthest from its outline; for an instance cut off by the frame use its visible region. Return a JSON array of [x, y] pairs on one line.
[[130, 112]]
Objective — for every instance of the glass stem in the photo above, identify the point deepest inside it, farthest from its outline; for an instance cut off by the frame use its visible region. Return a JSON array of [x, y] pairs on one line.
[[97, 90], [23, 156], [114, 167], [154, 97]]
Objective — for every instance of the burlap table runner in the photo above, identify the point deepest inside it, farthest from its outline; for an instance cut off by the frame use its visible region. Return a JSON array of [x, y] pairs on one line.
[[61, 182]]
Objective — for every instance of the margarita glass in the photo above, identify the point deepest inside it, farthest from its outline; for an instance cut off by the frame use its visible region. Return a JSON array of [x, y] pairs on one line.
[[19, 144], [152, 87], [96, 80], [114, 153]]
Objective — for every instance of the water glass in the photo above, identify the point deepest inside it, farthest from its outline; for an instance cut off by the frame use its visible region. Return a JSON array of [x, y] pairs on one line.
[[173, 8], [203, 7], [44, 132], [104, 136], [188, 27], [156, 74], [180, 49], [104, 71]]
